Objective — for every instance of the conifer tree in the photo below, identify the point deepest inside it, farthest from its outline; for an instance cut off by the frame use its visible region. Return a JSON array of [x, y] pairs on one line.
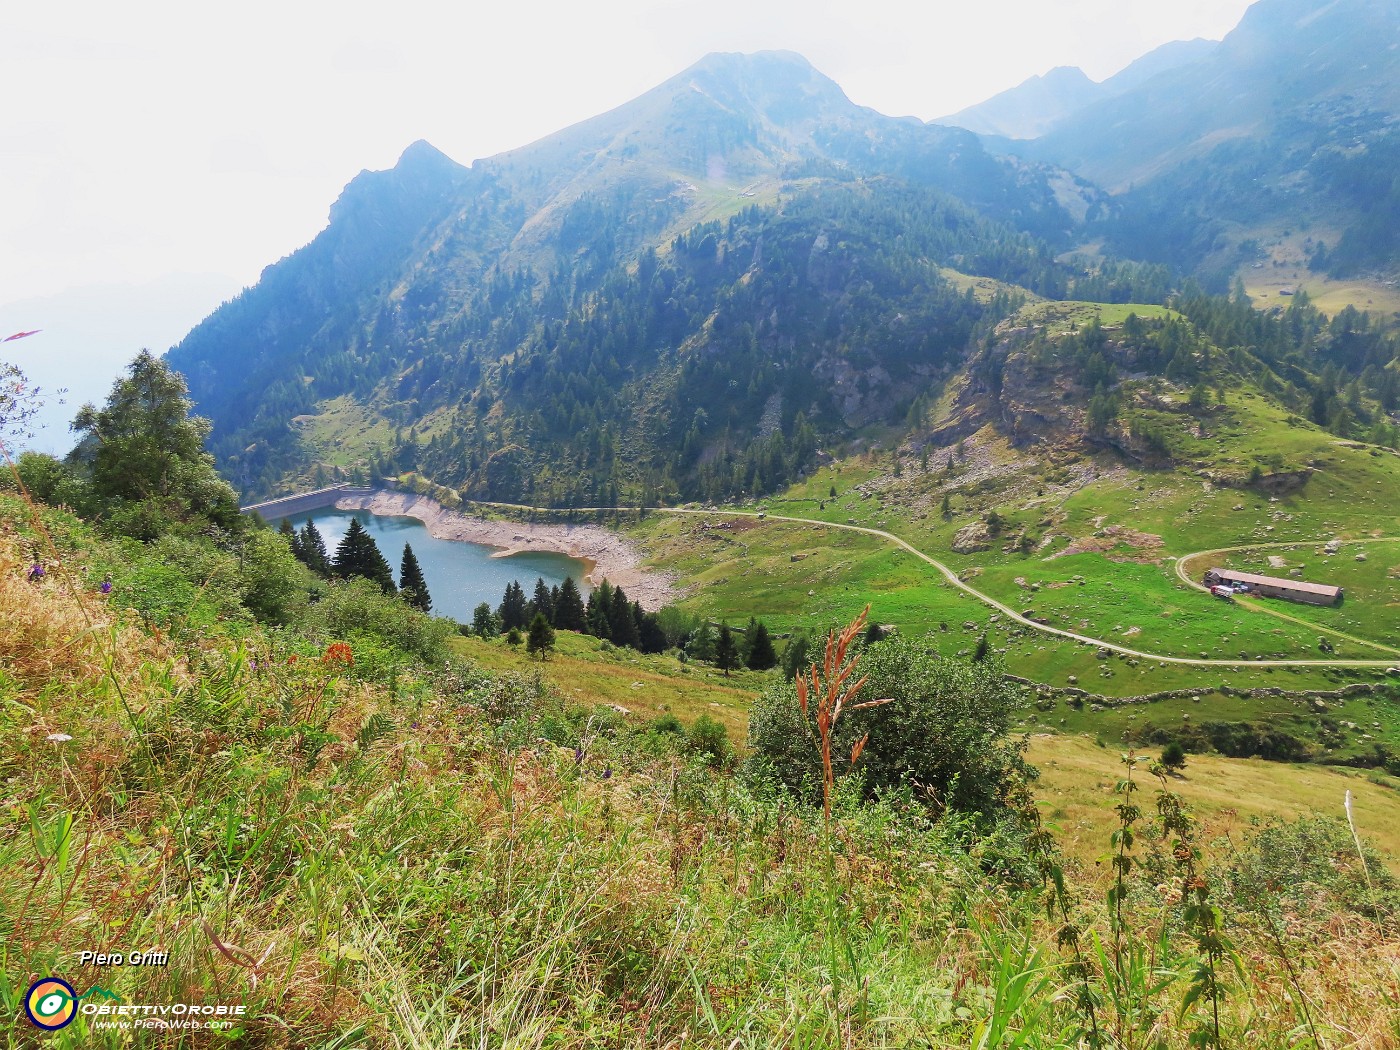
[[358, 555], [541, 640], [597, 613], [313, 549], [726, 650], [143, 449], [543, 601], [484, 622], [569, 611], [746, 645], [652, 636], [796, 655], [288, 531], [622, 625], [412, 586], [761, 654], [701, 645], [512, 610]]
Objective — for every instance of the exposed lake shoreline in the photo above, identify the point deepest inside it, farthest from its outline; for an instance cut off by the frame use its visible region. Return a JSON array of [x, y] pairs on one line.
[[606, 554]]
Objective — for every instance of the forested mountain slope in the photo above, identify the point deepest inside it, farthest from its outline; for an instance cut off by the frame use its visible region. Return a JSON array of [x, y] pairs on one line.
[[448, 302], [1289, 122]]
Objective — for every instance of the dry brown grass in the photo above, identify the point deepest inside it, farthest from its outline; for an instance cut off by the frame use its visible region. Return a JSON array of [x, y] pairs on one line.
[[1077, 779]]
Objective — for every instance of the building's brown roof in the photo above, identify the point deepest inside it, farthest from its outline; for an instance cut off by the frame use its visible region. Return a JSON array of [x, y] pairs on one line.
[[1275, 581]]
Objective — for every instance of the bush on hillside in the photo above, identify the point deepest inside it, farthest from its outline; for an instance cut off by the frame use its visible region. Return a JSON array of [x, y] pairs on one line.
[[943, 735], [49, 480], [1310, 867], [359, 609], [711, 740]]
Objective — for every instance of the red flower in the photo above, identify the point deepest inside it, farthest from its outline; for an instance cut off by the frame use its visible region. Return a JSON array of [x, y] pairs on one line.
[[338, 652]]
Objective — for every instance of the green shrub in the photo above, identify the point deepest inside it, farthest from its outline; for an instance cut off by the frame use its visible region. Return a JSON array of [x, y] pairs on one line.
[[1311, 867], [1174, 756], [944, 734], [710, 739], [358, 609]]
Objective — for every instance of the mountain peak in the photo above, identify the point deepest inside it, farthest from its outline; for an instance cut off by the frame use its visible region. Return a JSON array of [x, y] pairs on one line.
[[1031, 108], [422, 154]]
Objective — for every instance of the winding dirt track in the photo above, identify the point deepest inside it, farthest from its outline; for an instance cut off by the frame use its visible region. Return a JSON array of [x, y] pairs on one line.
[[986, 599]]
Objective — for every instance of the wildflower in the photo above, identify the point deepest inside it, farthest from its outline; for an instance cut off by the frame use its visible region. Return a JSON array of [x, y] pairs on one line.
[[36, 572], [338, 652], [106, 587], [607, 773], [578, 755], [59, 738]]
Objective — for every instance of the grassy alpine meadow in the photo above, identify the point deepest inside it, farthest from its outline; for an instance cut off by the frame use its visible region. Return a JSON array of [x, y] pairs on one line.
[[808, 577], [1230, 795], [1368, 572], [800, 577], [591, 673]]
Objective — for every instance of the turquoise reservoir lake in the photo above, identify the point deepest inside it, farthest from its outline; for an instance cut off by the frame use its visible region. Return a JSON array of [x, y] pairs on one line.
[[460, 575]]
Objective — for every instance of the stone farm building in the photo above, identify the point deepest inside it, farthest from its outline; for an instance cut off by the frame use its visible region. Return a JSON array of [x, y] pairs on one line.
[[1274, 587]]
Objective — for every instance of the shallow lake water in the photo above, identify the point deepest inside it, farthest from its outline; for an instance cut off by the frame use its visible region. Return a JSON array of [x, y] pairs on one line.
[[460, 575]]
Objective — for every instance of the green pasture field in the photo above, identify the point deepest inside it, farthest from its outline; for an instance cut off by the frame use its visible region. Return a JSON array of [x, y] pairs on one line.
[[647, 686], [1370, 606], [734, 573], [1077, 778], [1146, 607]]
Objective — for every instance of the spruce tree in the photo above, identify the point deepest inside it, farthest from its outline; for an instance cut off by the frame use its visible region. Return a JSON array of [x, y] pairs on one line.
[[746, 645], [484, 622], [569, 611], [599, 608], [288, 532], [313, 549], [622, 626], [541, 640], [543, 601], [726, 650], [761, 654], [701, 645], [512, 610], [796, 655], [653, 637], [412, 587], [358, 555]]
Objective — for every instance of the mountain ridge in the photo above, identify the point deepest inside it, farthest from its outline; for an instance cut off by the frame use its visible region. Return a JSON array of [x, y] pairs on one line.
[[1040, 103]]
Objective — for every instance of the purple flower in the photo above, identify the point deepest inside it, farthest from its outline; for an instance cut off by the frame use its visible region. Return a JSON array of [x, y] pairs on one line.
[[36, 572], [578, 756], [106, 587], [607, 772], [253, 664]]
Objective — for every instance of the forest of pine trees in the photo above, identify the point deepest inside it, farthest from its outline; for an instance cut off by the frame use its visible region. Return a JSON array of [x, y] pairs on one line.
[[609, 614]]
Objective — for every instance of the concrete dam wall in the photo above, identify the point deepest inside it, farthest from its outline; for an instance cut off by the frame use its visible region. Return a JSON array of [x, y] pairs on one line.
[[305, 502]]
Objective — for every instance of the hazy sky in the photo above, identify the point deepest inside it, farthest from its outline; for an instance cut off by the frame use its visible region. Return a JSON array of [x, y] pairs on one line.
[[147, 139]]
